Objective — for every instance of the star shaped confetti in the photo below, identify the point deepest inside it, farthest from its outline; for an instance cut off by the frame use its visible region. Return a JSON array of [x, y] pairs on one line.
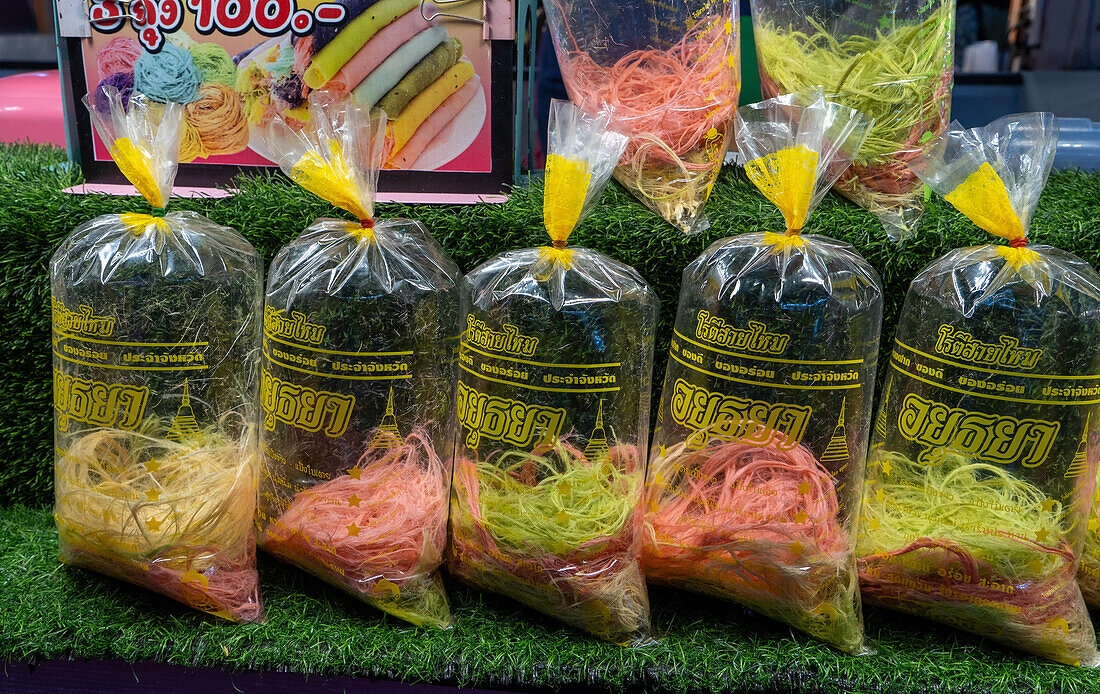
[[872, 523], [564, 488], [1035, 566], [886, 467], [797, 548], [355, 473], [728, 26], [1094, 525], [1041, 536], [827, 610], [153, 466], [387, 584], [880, 495], [801, 517], [153, 495], [562, 517], [1048, 504], [354, 500], [153, 524], [353, 530], [804, 487]]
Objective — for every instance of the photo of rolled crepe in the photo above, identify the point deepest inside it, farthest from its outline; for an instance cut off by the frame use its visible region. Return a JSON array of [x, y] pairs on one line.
[[428, 70], [386, 76], [434, 124], [325, 32], [328, 60], [381, 45], [426, 102]]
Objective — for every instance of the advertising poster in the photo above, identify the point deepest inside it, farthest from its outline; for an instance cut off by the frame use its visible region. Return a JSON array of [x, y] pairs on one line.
[[236, 64]]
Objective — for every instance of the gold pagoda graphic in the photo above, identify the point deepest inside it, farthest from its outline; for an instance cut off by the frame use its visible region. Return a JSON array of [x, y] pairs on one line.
[[837, 450], [880, 424], [184, 426], [597, 440], [388, 435], [1077, 465]]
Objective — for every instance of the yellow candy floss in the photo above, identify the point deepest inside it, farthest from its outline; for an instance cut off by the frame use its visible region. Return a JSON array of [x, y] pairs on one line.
[[787, 178]]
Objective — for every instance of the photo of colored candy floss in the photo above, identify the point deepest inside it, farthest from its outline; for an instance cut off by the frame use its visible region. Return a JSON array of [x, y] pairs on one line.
[[377, 532], [172, 515], [758, 525], [557, 532]]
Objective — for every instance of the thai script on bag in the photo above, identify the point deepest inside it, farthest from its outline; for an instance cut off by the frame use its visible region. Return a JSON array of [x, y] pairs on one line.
[[753, 422], [97, 403], [753, 338], [305, 408], [508, 339], [82, 321], [507, 420], [297, 327], [1006, 353], [989, 437]]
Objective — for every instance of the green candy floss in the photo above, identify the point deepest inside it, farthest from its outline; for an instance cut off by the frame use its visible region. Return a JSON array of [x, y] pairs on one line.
[[214, 64]]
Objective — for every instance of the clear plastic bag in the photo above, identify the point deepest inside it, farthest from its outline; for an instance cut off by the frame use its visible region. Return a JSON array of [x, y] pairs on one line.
[[155, 331], [754, 480], [553, 408], [890, 59], [1088, 573], [669, 74], [983, 461], [360, 332]]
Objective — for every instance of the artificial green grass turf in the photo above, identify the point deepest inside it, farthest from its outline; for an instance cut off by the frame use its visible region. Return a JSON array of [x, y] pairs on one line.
[[35, 216], [52, 611]]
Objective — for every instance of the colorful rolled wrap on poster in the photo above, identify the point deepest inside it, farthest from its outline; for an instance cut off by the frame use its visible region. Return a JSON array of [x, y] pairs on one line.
[[384, 77], [167, 76], [423, 73], [434, 124], [377, 49], [326, 32], [336, 53], [118, 55], [401, 129], [218, 118]]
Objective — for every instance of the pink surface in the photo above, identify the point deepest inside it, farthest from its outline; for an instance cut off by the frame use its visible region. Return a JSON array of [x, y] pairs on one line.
[[32, 108], [410, 198], [377, 49], [478, 156], [127, 189], [435, 122]]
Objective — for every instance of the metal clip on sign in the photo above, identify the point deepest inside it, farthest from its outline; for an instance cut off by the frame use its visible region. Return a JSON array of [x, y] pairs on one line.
[[137, 10]]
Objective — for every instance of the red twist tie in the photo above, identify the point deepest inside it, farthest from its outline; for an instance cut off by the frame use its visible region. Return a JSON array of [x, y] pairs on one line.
[[1018, 243], [367, 223]]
